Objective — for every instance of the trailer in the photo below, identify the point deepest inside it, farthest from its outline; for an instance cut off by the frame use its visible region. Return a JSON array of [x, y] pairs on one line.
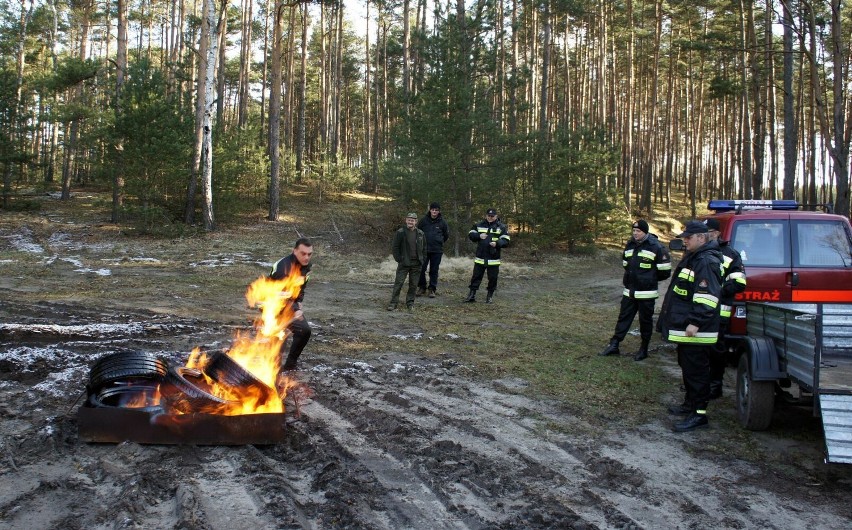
[[803, 351]]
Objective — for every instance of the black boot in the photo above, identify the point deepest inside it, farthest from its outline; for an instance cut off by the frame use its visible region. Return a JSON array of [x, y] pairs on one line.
[[489, 297], [691, 422], [643, 351], [611, 349], [715, 389], [471, 296]]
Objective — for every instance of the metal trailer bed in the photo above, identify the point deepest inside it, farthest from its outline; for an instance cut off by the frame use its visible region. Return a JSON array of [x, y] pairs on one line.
[[810, 345]]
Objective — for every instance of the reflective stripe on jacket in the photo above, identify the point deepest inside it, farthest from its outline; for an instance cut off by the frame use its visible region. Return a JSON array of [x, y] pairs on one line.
[[645, 263], [495, 232], [693, 297]]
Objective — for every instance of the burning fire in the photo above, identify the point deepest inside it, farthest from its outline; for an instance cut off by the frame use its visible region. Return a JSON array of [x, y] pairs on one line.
[[258, 352]]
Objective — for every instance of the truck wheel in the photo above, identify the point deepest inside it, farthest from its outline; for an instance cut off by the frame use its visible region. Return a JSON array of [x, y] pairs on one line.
[[755, 399]]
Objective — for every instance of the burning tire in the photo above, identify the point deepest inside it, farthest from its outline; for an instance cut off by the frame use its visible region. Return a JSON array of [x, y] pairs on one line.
[[226, 371], [141, 397], [185, 396], [125, 366]]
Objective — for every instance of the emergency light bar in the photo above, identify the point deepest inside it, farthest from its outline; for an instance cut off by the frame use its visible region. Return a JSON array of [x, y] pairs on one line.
[[726, 205]]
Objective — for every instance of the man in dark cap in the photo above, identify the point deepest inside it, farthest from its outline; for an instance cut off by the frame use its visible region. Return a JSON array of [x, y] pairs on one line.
[[645, 263], [409, 251], [437, 232], [490, 235], [690, 319], [733, 282]]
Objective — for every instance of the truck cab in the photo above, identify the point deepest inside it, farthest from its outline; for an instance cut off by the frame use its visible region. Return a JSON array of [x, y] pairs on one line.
[[790, 255]]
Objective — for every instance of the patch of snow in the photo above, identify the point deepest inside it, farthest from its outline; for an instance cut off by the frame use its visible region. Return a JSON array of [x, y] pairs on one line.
[[95, 330], [413, 336]]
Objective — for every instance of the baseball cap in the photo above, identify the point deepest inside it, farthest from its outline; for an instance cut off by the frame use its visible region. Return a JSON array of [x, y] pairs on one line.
[[491, 211], [694, 227], [411, 215], [712, 224]]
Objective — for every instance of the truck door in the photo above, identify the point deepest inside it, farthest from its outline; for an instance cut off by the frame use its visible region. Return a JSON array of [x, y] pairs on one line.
[[822, 261], [764, 245]]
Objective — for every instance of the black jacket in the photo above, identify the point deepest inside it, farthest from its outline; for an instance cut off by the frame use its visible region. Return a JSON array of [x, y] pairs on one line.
[[693, 297], [645, 263], [437, 233], [282, 269], [733, 277], [497, 232]]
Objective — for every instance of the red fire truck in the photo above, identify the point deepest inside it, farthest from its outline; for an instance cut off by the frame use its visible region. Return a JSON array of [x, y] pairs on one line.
[[790, 255]]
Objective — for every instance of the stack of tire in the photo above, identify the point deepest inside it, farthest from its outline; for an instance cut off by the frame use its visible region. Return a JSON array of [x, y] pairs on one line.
[[142, 381]]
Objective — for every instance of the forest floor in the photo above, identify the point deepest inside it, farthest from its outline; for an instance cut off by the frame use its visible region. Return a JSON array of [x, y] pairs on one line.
[[450, 416]]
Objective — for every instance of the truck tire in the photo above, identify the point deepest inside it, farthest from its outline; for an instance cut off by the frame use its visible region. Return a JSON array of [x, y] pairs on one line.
[[125, 366], [755, 399], [226, 371]]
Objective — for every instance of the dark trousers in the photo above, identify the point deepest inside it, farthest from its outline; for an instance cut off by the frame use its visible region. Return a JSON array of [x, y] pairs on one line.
[[629, 308], [433, 262], [301, 331], [719, 354], [479, 271], [403, 272], [694, 361]]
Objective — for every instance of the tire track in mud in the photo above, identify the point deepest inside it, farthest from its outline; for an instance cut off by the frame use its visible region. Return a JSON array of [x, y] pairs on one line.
[[489, 454], [478, 453]]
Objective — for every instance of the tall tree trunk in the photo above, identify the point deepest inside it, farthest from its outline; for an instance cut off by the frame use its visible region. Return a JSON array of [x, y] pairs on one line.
[[220, 67], [274, 145], [120, 69], [17, 104], [209, 102], [70, 166], [791, 131], [245, 63], [197, 151], [303, 83], [745, 121]]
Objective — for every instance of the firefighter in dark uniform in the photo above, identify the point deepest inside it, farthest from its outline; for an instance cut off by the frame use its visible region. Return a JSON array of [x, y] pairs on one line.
[[733, 282], [690, 319], [490, 235], [645, 263], [300, 259]]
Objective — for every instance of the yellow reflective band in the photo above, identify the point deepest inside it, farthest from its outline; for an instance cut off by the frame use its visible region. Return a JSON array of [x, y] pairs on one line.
[[647, 254], [664, 266], [705, 299], [480, 229], [687, 274], [506, 236], [493, 262], [738, 277], [645, 294], [701, 412], [682, 292], [645, 265], [628, 253], [699, 338], [479, 261]]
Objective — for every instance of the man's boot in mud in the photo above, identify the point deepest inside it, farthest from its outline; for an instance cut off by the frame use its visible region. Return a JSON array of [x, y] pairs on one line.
[[643, 351], [420, 291], [489, 298], [471, 297], [611, 349]]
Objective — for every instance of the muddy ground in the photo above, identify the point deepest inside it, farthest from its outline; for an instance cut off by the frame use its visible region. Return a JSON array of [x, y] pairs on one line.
[[391, 433]]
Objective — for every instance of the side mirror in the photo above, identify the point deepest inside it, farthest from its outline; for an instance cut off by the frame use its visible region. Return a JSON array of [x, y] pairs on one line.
[[676, 244]]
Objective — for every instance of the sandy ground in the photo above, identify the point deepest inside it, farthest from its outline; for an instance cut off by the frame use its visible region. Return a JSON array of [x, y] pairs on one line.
[[384, 439]]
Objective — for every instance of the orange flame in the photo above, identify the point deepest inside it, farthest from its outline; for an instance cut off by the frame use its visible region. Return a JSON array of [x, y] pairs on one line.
[[259, 353]]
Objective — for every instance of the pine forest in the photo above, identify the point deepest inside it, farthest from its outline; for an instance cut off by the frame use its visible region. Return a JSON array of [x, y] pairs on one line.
[[565, 114]]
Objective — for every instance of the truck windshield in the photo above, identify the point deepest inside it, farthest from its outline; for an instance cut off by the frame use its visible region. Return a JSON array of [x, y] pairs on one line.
[[821, 244], [762, 243]]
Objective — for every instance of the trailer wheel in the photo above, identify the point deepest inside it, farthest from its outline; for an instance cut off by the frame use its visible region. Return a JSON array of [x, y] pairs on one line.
[[755, 399]]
